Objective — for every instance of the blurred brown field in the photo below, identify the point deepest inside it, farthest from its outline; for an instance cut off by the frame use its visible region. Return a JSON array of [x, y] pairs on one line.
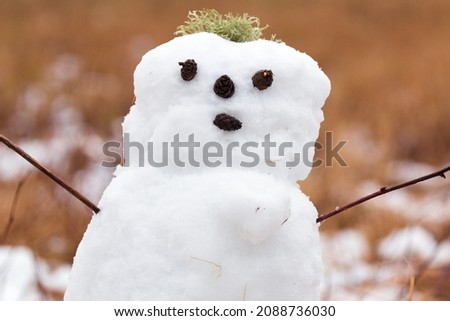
[[388, 62]]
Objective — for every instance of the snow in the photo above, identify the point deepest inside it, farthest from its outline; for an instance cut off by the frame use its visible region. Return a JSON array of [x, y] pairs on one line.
[[289, 110], [348, 247], [349, 275], [343, 254], [408, 243], [17, 274], [55, 279], [21, 271], [180, 254], [210, 233], [442, 256]]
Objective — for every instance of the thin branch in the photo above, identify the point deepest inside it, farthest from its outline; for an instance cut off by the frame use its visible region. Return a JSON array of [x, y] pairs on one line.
[[13, 207], [382, 191], [44, 170]]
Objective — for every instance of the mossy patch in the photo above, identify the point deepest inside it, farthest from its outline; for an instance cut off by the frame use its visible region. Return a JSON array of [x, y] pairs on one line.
[[231, 27]]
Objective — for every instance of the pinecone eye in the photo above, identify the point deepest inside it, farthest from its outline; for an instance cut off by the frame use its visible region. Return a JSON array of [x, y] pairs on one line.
[[263, 79], [188, 69]]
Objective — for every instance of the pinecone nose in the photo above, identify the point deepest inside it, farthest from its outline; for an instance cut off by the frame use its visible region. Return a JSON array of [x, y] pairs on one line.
[[227, 122], [224, 87]]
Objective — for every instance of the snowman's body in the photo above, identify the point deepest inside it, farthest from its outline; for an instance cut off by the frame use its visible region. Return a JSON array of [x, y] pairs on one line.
[[205, 231]]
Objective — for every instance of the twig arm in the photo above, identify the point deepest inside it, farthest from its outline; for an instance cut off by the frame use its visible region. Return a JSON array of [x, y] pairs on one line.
[[47, 172], [382, 191]]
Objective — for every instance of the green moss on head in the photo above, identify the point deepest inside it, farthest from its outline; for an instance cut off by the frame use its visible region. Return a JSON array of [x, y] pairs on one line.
[[234, 28]]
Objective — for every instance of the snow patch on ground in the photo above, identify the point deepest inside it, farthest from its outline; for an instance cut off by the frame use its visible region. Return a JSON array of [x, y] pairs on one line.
[[410, 243], [21, 272]]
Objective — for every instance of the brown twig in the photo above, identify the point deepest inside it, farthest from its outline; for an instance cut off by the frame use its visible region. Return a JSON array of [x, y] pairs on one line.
[[44, 170], [382, 191], [13, 207]]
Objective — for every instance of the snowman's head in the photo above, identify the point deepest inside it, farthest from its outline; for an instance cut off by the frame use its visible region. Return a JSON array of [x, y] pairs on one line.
[[259, 101]]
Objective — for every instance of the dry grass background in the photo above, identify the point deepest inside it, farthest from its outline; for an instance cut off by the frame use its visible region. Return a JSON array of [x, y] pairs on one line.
[[388, 61]]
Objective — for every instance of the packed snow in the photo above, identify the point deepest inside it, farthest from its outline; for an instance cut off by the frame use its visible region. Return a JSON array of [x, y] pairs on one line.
[[202, 232]]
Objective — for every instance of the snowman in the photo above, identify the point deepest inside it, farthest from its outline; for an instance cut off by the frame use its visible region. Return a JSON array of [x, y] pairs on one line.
[[206, 205]]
